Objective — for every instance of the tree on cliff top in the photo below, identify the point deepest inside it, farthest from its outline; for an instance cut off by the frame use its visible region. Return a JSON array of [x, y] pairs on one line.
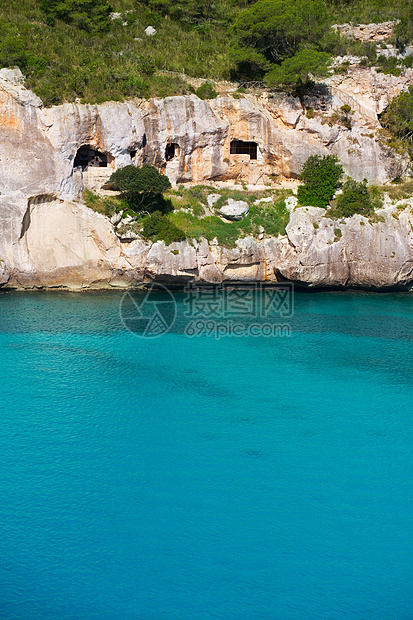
[[142, 187], [279, 28], [299, 69], [286, 34]]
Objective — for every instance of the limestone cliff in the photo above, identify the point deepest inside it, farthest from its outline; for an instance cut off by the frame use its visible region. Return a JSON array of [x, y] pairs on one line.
[[49, 240]]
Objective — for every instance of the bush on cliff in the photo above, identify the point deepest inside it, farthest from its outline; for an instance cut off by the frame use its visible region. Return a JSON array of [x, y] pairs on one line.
[[158, 227], [142, 188], [206, 91], [398, 118], [298, 71], [321, 178], [355, 199]]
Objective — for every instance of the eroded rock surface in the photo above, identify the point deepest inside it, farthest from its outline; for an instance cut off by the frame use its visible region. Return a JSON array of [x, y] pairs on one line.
[[49, 240]]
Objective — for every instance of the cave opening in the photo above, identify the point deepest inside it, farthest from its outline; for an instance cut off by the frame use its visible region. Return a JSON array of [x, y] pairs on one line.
[[239, 147], [87, 157], [171, 151]]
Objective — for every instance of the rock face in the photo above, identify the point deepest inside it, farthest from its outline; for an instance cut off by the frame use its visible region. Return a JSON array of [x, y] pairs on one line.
[[49, 240], [188, 139], [366, 32], [351, 252], [64, 244], [369, 90]]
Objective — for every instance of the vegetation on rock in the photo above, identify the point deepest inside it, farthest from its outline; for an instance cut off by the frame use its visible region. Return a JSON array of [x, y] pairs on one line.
[[206, 91], [185, 217], [71, 49], [354, 199], [141, 188], [321, 179], [88, 15], [398, 118], [158, 227]]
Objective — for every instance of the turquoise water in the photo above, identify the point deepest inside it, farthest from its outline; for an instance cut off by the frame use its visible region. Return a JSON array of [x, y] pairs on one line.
[[179, 478]]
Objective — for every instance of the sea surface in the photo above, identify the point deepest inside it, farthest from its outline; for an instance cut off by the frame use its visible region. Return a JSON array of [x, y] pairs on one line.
[[192, 477]]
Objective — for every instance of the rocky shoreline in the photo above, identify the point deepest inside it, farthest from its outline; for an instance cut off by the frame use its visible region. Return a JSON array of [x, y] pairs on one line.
[[49, 239], [69, 246]]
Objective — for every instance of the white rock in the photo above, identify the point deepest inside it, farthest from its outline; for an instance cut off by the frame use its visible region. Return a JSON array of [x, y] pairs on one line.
[[234, 209], [212, 199], [291, 203], [116, 218], [13, 76], [150, 31], [4, 272], [130, 234], [262, 200]]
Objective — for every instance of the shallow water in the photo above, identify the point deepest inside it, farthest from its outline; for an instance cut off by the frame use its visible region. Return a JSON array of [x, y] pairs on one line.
[[190, 478]]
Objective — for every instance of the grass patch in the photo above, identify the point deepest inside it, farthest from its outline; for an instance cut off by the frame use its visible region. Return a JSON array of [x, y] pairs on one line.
[[399, 191], [273, 218], [106, 205]]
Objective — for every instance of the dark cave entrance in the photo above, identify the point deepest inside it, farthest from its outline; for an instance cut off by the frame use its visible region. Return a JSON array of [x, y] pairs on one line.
[[238, 147], [87, 157], [171, 151]]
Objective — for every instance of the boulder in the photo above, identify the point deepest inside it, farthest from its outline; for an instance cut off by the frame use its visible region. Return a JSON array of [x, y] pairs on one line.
[[234, 210]]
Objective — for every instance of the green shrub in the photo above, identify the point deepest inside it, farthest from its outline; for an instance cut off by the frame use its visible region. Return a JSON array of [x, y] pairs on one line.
[[355, 199], [206, 91], [321, 178], [398, 118], [142, 187], [297, 72], [89, 15], [389, 65], [158, 227]]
